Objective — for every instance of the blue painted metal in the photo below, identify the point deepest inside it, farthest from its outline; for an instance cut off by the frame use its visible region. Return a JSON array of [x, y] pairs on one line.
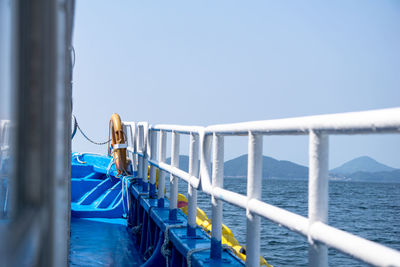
[[154, 219], [102, 242], [94, 195]]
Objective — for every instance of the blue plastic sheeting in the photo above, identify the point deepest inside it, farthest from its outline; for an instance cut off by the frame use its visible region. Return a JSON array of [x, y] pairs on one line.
[[102, 242]]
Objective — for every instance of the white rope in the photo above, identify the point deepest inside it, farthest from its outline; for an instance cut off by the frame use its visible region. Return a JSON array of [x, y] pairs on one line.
[[148, 253], [195, 250], [191, 252], [124, 190], [77, 155], [165, 251], [109, 167]]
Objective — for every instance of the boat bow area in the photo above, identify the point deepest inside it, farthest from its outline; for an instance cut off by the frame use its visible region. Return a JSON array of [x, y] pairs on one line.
[[115, 222]]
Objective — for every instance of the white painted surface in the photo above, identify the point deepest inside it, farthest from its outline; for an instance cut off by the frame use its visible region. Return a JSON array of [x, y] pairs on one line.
[[314, 227], [161, 157], [217, 181], [318, 194], [193, 171], [254, 179], [173, 198]]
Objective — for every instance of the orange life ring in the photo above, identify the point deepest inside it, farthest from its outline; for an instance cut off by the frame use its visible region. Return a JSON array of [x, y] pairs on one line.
[[118, 143]]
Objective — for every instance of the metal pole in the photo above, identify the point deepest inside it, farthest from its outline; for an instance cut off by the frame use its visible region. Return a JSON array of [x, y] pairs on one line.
[[205, 163], [192, 192], [41, 80], [217, 181], [145, 162], [153, 150], [132, 154], [318, 194], [161, 175], [140, 150], [173, 201], [254, 184]]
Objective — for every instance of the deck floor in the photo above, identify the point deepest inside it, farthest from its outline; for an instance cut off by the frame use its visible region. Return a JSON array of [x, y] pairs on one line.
[[104, 242]]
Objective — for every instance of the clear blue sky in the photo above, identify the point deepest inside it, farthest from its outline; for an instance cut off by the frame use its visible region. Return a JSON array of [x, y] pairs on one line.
[[209, 62]]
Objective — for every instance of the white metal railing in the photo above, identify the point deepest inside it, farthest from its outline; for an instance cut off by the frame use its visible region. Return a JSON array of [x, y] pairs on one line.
[[204, 140]]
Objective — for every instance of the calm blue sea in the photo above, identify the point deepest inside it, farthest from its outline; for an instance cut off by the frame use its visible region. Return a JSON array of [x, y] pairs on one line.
[[370, 210]]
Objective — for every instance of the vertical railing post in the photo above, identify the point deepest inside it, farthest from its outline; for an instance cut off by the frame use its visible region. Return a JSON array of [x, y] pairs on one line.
[[161, 174], [318, 194], [205, 162], [134, 150], [254, 184], [145, 162], [217, 181], [139, 146], [192, 192], [153, 151], [173, 201], [128, 154]]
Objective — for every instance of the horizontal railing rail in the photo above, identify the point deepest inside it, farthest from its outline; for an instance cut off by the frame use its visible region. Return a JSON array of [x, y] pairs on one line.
[[207, 140]]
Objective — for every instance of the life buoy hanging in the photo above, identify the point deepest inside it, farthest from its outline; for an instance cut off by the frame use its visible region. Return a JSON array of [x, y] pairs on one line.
[[118, 144]]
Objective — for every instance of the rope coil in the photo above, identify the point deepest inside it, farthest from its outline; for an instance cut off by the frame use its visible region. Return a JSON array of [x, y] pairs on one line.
[[148, 253], [165, 251]]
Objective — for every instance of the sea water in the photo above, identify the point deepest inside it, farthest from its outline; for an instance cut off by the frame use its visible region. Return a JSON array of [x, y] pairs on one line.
[[369, 210]]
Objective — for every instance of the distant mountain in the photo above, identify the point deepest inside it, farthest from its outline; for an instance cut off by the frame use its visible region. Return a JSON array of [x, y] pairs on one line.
[[361, 164], [271, 168], [237, 167], [183, 162], [360, 169]]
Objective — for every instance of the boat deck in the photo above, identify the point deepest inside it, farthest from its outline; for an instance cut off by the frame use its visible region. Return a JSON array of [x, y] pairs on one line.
[[102, 242], [101, 236]]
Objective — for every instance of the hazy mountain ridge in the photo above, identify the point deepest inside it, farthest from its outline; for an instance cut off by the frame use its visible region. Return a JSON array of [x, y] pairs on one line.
[[272, 168], [361, 164], [365, 169], [353, 170]]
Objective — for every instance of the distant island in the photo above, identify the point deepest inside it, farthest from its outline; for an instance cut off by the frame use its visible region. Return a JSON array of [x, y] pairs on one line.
[[362, 169], [365, 169]]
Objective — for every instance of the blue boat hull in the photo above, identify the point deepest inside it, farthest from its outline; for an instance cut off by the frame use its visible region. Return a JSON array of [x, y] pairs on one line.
[[98, 195]]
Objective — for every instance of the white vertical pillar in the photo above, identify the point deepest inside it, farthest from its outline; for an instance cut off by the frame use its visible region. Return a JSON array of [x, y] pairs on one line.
[[134, 145], [153, 151], [205, 162], [140, 150], [161, 174], [217, 181], [192, 192], [254, 184], [132, 155], [318, 194], [145, 161], [173, 201]]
